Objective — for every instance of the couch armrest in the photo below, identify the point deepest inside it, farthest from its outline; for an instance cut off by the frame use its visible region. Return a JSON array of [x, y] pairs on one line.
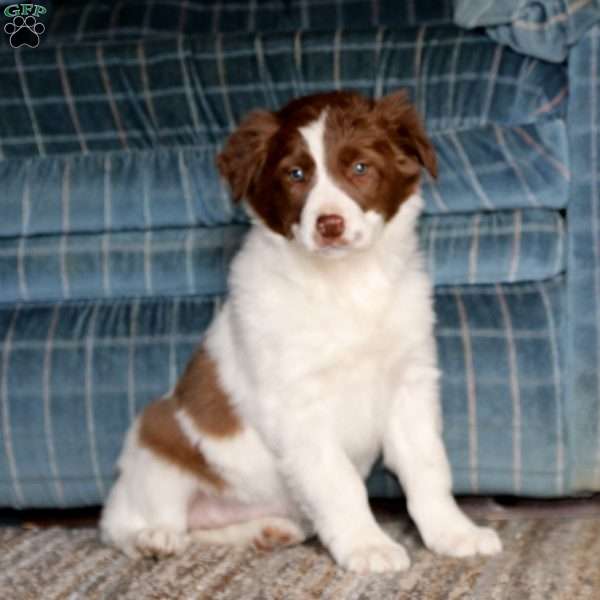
[[542, 28], [583, 265]]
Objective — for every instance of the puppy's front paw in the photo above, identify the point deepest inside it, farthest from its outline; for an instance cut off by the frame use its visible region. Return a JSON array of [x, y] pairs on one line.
[[465, 541], [377, 558]]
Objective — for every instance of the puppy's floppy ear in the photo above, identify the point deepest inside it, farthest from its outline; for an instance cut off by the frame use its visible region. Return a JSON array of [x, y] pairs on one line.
[[401, 120], [243, 156]]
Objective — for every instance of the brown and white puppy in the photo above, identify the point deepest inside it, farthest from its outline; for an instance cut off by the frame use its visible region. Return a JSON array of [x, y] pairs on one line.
[[322, 357]]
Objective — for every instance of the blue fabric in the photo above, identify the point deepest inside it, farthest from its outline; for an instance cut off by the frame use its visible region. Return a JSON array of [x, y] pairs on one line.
[[583, 333], [502, 393], [111, 192], [162, 262], [495, 168], [480, 248], [86, 130], [494, 247], [73, 375], [115, 232], [542, 28], [481, 168], [135, 19], [191, 91], [72, 378]]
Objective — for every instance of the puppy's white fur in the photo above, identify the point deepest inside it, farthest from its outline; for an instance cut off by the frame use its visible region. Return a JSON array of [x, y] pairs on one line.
[[327, 363]]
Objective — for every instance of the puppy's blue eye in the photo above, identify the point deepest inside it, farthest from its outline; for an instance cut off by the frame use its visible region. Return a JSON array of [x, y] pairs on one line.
[[297, 174], [360, 168]]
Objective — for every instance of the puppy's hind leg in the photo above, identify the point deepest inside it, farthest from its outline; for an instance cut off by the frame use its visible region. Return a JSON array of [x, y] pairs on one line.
[[265, 533], [225, 521], [146, 512]]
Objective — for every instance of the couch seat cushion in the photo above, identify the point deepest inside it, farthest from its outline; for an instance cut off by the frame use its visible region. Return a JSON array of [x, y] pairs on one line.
[[480, 248], [74, 375], [500, 353], [494, 247]]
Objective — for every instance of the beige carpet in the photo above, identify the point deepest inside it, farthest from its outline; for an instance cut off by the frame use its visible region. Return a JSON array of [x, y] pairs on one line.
[[549, 559]]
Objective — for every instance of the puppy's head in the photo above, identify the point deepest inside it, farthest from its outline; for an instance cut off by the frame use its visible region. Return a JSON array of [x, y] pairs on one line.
[[328, 170]]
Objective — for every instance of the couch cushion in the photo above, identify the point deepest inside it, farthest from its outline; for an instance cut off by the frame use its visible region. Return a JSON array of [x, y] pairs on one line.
[[481, 168], [100, 20], [193, 90], [163, 262], [495, 167], [481, 248], [500, 353], [112, 136], [543, 28], [494, 247], [72, 377]]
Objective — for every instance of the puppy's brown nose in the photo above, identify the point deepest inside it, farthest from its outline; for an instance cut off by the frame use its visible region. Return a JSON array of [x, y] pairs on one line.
[[330, 226]]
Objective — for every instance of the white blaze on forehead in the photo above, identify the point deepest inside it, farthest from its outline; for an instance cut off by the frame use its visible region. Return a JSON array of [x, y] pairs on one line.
[[327, 197], [314, 136]]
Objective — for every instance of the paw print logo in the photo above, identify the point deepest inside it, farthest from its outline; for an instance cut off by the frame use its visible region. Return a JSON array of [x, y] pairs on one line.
[[24, 31]]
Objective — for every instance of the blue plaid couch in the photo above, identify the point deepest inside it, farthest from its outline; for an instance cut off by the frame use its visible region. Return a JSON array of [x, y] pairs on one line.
[[116, 233]]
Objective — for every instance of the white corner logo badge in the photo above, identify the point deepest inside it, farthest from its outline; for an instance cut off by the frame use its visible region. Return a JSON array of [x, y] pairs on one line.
[[24, 29]]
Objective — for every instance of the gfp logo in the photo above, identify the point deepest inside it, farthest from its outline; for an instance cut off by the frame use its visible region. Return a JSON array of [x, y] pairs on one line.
[[24, 29]]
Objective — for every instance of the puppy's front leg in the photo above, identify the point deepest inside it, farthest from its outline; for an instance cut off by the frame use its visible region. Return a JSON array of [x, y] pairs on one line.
[[332, 494], [414, 450]]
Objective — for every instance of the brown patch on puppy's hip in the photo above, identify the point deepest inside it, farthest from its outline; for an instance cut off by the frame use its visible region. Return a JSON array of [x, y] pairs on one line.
[[200, 394], [160, 432]]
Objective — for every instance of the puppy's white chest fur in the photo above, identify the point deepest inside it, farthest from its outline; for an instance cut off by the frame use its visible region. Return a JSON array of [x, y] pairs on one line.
[[358, 412], [325, 340]]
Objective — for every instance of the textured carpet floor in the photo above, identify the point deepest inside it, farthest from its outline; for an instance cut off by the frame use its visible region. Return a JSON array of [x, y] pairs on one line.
[[549, 559]]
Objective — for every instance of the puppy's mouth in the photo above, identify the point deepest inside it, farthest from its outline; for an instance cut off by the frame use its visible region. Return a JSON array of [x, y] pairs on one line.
[[327, 244], [339, 247], [329, 247]]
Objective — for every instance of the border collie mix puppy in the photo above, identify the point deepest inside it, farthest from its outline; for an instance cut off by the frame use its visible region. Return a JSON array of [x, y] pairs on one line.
[[322, 357]]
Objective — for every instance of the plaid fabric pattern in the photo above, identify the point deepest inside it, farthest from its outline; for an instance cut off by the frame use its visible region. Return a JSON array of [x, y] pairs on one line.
[[484, 168], [100, 362], [543, 28], [112, 192], [162, 262], [495, 168], [96, 362], [480, 248], [504, 422], [193, 90], [102, 125], [84, 20], [583, 331], [116, 233], [494, 247]]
